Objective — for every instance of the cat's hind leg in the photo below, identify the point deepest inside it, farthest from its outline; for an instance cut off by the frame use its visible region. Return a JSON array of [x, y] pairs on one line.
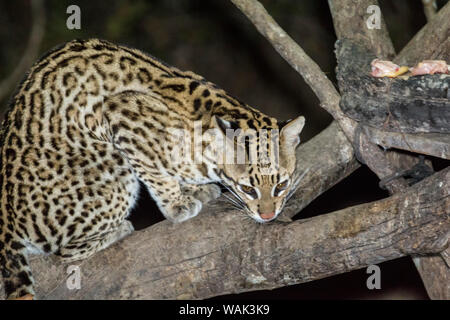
[[84, 248]]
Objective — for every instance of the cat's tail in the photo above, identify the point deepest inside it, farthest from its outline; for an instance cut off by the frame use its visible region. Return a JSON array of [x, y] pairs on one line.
[[15, 269]]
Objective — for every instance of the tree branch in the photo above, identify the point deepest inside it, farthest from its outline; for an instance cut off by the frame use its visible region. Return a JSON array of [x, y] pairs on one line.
[[346, 14], [219, 253], [433, 144], [316, 79], [350, 18], [429, 8], [298, 59]]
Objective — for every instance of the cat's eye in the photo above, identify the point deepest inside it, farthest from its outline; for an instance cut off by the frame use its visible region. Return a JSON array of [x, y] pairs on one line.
[[280, 187], [247, 189]]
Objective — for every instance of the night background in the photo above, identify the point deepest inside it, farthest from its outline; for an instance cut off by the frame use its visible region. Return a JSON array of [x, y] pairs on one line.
[[215, 40]]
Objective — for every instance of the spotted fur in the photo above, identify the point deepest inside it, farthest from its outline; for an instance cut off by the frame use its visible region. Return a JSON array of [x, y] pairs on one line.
[[88, 123]]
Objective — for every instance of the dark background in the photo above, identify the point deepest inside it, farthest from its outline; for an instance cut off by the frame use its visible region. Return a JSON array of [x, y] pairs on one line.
[[212, 38]]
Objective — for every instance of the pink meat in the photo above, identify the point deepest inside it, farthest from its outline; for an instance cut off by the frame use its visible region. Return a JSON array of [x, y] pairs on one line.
[[383, 68], [430, 67]]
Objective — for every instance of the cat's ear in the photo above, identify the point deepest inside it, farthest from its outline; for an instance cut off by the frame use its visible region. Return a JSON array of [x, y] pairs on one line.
[[290, 133]]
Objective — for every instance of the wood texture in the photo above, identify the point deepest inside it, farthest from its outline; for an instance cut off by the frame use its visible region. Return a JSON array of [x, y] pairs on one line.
[[433, 144], [404, 104], [198, 259]]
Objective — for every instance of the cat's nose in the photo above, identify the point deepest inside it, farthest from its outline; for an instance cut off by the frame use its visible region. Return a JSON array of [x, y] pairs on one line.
[[267, 215]]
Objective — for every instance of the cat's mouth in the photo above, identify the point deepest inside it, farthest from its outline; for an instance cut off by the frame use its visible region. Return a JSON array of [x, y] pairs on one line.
[[267, 215]]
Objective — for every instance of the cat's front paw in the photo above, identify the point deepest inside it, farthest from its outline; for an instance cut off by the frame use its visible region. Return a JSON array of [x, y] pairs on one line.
[[203, 192], [182, 209]]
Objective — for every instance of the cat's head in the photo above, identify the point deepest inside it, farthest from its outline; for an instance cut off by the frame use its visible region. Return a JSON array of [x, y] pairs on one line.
[[262, 187]]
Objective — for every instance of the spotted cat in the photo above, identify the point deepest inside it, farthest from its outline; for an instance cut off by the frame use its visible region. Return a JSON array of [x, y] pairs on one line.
[[88, 123]]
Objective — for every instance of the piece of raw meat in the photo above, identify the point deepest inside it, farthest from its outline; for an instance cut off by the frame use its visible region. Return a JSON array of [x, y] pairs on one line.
[[384, 68], [430, 67]]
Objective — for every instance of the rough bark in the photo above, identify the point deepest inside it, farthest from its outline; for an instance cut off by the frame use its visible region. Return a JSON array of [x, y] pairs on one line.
[[346, 14], [405, 104], [350, 22], [389, 109], [434, 275], [298, 59], [433, 144], [220, 253]]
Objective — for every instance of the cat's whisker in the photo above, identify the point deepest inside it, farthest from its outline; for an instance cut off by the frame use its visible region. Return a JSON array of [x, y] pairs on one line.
[[236, 208], [234, 202], [296, 183], [234, 194]]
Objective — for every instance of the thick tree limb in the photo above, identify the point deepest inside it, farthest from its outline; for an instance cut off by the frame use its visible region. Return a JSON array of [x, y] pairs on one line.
[[350, 22], [417, 104], [219, 253], [433, 144], [31, 50], [375, 39], [434, 275], [392, 110]]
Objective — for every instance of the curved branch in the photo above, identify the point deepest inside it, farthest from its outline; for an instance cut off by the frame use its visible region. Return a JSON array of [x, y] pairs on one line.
[[31, 51], [297, 58]]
